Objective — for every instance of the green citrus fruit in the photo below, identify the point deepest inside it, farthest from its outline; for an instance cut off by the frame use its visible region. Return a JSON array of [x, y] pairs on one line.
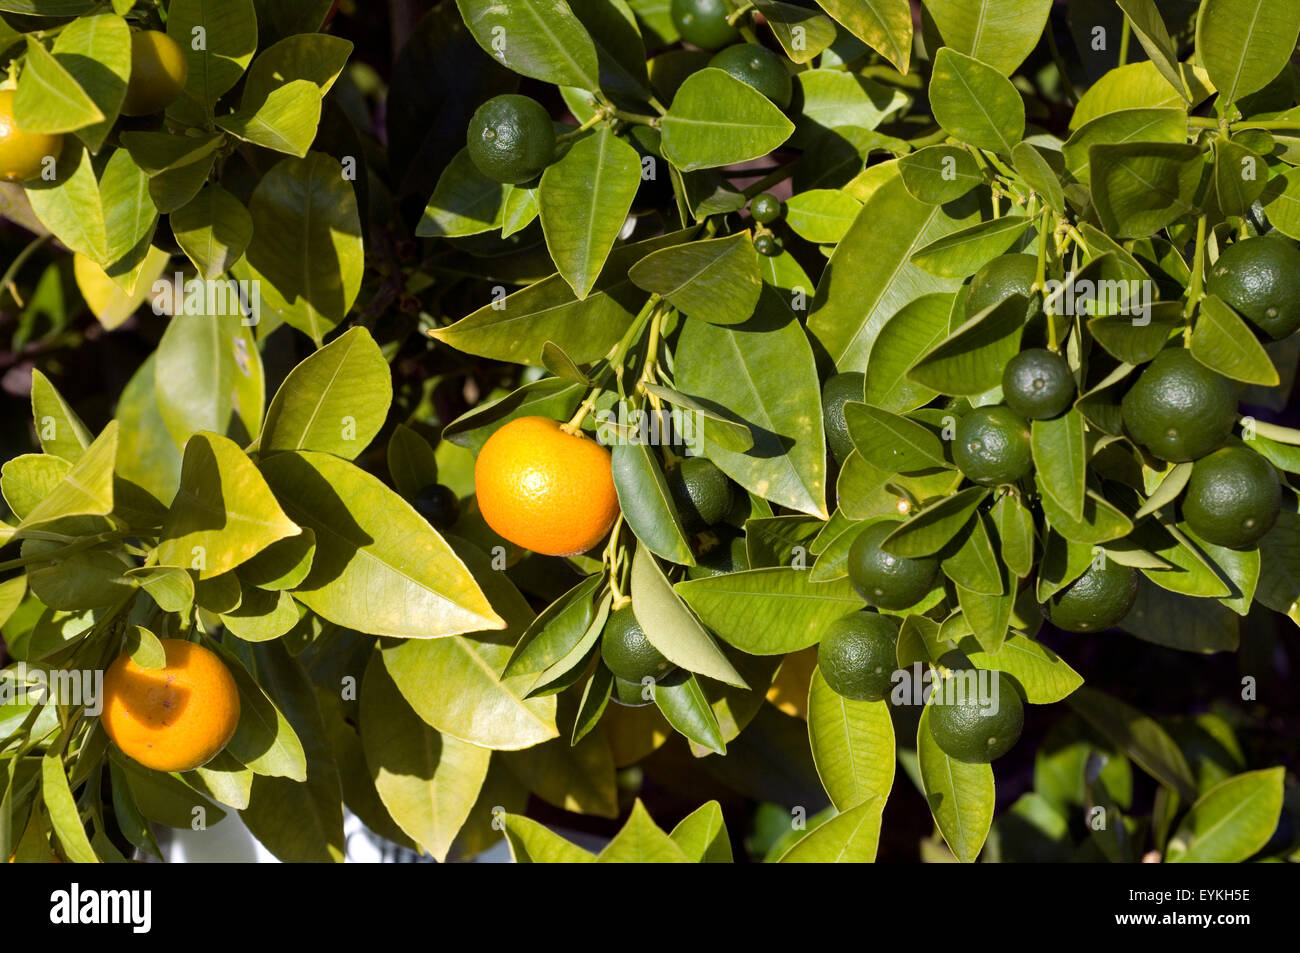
[[1260, 278], [158, 73], [704, 23], [857, 655], [992, 446], [1178, 408], [838, 391], [703, 493], [759, 67], [1232, 498], [1037, 384], [768, 245], [1098, 599], [22, 153], [766, 208], [511, 139], [438, 504], [1002, 277], [972, 725], [626, 650], [630, 694], [883, 579]]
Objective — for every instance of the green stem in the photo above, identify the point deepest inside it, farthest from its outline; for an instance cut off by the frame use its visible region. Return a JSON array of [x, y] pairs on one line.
[[1124, 37], [1198, 271], [640, 119], [734, 16], [771, 179], [1268, 124], [76, 547], [11, 272], [935, 138], [579, 130]]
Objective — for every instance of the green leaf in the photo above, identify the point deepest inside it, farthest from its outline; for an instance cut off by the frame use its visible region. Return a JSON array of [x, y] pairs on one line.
[[683, 703], [230, 40], [726, 432], [335, 401], [1061, 460], [1101, 521], [427, 781], [1001, 33], [764, 374], [1149, 28], [64, 817], [488, 709], [960, 795], [641, 841], [714, 280], [975, 103], [261, 615], [802, 33], [1039, 175], [411, 461], [850, 837], [770, 611], [974, 566], [1167, 618], [48, 98], [464, 202], [702, 834], [930, 529], [1140, 86], [1140, 187], [1039, 672], [988, 616], [717, 120], [1138, 736], [670, 627], [583, 201], [264, 740], [86, 490], [1281, 200], [964, 252], [913, 331], [647, 503], [208, 377], [129, 217], [1244, 44], [578, 778], [852, 745], [1231, 821], [223, 514], [939, 174], [1015, 530], [884, 25], [531, 843], [1122, 126], [537, 38], [379, 567], [58, 427], [285, 120], [96, 52], [70, 206], [852, 105], [1238, 177], [895, 444], [306, 248], [821, 215], [213, 229], [871, 276], [1223, 342]]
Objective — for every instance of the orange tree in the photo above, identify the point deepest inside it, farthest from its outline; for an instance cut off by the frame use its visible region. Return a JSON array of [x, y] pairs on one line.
[[760, 411]]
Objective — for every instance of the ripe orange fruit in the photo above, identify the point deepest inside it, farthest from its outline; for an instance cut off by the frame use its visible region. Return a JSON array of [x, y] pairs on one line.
[[158, 73], [174, 718], [545, 489], [21, 153]]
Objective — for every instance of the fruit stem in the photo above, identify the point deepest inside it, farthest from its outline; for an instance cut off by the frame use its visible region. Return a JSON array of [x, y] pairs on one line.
[[1198, 272], [579, 130], [1124, 37], [734, 16], [75, 547], [574, 425], [640, 119]]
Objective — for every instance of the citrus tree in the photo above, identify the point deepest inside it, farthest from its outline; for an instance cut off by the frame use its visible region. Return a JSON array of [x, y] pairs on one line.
[[721, 403]]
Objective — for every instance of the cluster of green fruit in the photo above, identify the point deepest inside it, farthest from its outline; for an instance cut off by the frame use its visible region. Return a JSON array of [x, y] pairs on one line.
[[158, 75], [1177, 410]]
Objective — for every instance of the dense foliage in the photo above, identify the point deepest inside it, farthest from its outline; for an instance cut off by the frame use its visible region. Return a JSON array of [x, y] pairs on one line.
[[932, 343]]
